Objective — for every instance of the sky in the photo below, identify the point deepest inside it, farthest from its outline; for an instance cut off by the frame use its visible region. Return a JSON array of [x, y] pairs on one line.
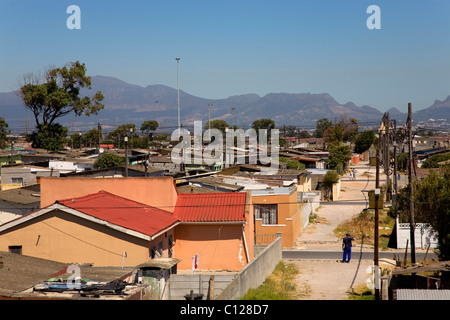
[[237, 47]]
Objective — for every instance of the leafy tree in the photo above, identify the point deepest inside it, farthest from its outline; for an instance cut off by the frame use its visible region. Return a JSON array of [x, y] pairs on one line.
[[433, 161], [3, 133], [364, 141], [119, 134], [321, 126], [431, 205], [109, 160], [267, 124], [49, 137], [432, 200], [217, 124], [343, 130], [331, 177], [56, 95], [292, 164], [339, 155], [148, 127], [59, 94], [304, 134]]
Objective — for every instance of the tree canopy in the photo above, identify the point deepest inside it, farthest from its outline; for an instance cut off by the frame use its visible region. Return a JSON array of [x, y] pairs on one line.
[[364, 141], [109, 160], [57, 94], [3, 133], [431, 205]]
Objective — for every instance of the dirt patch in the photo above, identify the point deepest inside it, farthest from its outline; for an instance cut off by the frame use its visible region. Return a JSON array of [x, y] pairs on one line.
[[329, 280]]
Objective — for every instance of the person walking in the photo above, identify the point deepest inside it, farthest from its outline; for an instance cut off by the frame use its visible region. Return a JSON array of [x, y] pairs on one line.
[[347, 248]]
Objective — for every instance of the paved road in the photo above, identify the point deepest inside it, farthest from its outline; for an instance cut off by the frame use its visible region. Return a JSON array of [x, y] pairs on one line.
[[356, 254]]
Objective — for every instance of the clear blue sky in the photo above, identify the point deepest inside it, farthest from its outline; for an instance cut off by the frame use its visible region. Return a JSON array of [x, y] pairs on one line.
[[235, 47]]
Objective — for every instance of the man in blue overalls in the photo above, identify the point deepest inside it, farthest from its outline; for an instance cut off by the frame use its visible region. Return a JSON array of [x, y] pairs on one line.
[[347, 248]]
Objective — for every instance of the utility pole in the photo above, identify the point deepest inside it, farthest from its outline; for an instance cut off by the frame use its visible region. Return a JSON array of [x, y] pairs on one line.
[[178, 90], [387, 157], [395, 168], [375, 240], [126, 154], [412, 225]]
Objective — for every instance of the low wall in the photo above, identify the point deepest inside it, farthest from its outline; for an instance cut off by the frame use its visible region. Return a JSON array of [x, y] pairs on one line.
[[181, 284], [254, 274], [424, 235]]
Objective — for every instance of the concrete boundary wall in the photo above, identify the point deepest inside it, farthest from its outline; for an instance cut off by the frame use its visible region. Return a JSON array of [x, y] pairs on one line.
[[181, 284], [254, 274], [424, 235]]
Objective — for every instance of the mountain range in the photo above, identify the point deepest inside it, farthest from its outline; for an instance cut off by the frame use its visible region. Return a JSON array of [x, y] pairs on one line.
[[128, 103]]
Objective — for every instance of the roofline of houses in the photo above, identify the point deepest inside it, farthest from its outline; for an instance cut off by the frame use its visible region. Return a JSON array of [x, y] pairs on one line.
[[61, 207]]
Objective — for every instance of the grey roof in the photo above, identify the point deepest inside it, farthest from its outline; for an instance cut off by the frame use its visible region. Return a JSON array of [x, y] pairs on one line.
[[20, 272], [25, 195], [422, 294]]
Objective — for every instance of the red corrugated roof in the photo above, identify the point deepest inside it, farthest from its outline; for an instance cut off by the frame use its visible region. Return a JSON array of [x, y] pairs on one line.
[[122, 212], [211, 207]]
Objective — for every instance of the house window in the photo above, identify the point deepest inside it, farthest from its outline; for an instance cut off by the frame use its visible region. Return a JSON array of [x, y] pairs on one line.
[[15, 249], [267, 212], [17, 180]]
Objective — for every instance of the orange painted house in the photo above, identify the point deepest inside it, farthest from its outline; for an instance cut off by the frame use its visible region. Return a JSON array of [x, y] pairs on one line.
[[277, 210], [126, 221]]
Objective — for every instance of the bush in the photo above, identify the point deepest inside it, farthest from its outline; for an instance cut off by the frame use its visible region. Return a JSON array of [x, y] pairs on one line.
[[109, 160]]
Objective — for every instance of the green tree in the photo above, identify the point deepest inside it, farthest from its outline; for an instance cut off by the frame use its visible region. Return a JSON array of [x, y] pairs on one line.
[[57, 95], [432, 200], [292, 164], [304, 134], [267, 124], [433, 161], [148, 127], [109, 160], [321, 126], [217, 124], [330, 178], [49, 137], [119, 134], [3, 133], [431, 205], [364, 141], [339, 155]]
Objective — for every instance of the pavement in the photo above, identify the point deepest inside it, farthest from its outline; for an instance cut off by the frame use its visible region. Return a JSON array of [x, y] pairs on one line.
[[326, 279]]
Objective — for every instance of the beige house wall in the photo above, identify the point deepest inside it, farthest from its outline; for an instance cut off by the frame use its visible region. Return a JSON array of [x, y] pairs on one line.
[[63, 237]]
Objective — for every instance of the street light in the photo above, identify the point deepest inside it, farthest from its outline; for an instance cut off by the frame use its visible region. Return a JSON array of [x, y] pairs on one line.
[[178, 89]]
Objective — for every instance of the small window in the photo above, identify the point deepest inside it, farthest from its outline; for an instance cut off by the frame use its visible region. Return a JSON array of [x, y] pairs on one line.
[[15, 249], [267, 212], [17, 180]]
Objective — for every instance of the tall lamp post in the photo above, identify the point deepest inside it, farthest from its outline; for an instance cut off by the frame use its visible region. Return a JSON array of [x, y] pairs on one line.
[[178, 90]]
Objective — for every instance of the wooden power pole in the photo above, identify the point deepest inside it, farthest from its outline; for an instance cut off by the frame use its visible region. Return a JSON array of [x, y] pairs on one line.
[[411, 200]]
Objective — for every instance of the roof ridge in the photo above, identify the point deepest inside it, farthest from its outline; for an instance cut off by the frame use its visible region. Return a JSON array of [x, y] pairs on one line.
[[66, 202]]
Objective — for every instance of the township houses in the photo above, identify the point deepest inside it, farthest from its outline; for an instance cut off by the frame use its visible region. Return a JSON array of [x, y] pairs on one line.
[[128, 221]]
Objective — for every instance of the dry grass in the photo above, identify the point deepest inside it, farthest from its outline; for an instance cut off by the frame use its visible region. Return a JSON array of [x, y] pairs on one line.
[[362, 227], [280, 285]]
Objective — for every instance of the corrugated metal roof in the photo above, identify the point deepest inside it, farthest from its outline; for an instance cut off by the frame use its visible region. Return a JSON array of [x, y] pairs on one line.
[[422, 294], [122, 212], [211, 207]]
